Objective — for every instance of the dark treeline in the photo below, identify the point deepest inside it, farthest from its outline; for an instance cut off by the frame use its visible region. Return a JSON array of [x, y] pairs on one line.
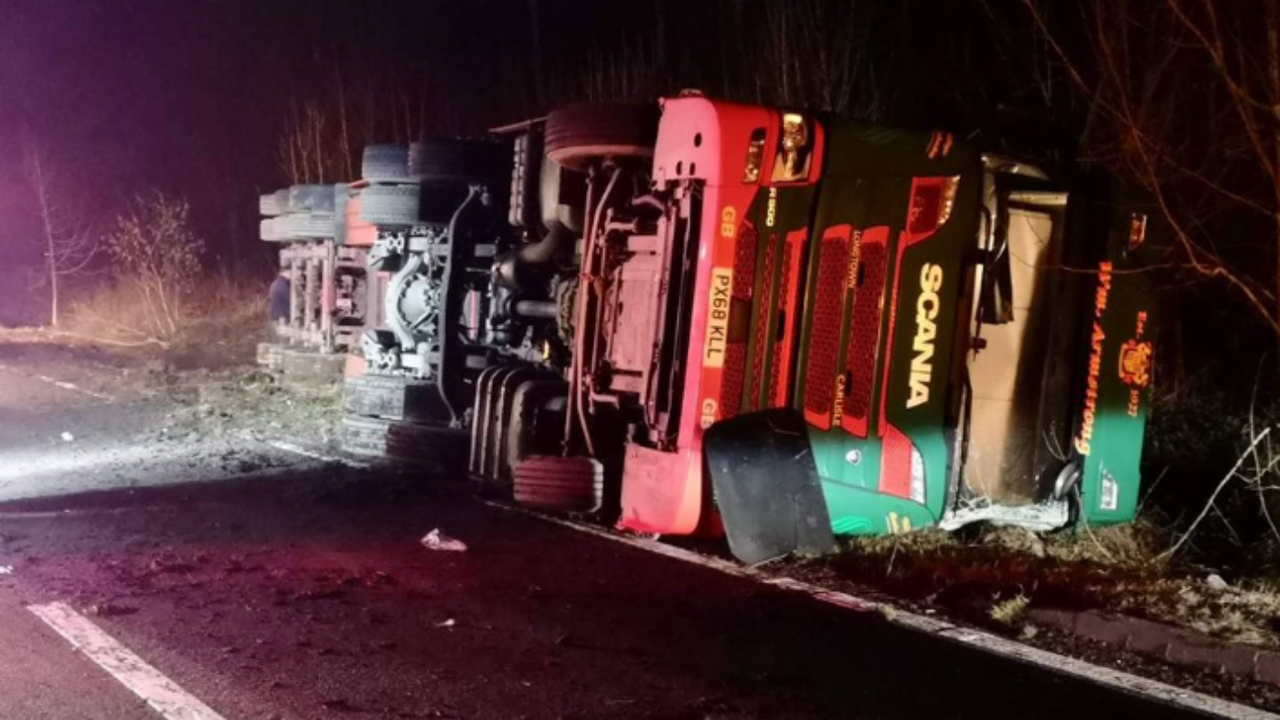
[[1176, 97], [219, 100]]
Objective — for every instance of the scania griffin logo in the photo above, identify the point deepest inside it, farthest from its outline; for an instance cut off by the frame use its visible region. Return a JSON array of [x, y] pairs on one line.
[[926, 333]]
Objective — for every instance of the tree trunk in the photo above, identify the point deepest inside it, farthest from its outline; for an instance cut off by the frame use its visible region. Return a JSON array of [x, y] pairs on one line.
[[539, 62], [46, 223], [1273, 81], [53, 293]]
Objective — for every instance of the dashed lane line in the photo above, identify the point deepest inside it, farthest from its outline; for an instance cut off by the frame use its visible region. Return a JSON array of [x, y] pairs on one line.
[[148, 683]]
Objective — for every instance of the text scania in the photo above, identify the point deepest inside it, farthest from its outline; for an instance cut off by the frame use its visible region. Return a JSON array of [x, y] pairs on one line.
[[718, 317], [926, 332]]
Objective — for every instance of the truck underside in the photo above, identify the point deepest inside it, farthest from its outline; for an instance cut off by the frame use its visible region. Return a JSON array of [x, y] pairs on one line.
[[775, 326]]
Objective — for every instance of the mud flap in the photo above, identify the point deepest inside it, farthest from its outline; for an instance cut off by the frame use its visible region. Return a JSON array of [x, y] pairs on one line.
[[766, 486]]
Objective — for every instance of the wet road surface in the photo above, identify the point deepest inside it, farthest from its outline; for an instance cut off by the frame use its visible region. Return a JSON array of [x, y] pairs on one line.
[[308, 595], [273, 586]]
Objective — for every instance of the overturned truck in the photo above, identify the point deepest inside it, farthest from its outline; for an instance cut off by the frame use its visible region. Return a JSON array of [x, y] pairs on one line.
[[786, 327]]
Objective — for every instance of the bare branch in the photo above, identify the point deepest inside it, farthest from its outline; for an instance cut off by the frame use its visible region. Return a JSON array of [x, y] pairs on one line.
[[1213, 498]]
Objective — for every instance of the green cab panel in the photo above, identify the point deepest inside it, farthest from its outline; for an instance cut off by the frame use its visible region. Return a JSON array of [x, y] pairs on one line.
[[897, 213], [1118, 374]]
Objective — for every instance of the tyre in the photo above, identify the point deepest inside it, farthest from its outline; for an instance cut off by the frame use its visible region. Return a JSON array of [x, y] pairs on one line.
[[378, 396], [269, 205], [426, 444], [389, 397], [270, 355], [268, 231], [340, 195], [304, 367], [457, 161], [311, 199], [572, 484], [385, 163], [305, 226], [577, 135], [390, 204], [366, 437], [401, 441]]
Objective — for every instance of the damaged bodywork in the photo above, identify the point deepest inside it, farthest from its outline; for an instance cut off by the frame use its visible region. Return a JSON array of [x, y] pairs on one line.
[[784, 327]]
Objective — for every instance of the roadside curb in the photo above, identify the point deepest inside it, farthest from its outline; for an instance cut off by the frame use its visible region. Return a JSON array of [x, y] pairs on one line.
[[972, 638], [1175, 645]]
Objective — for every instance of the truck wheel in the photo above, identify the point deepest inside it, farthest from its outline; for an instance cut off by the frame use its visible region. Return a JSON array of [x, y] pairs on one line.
[[310, 199], [576, 135], [306, 226], [385, 163], [270, 355], [378, 396], [269, 205], [426, 444], [366, 437], [308, 367], [268, 231], [390, 204], [390, 397], [401, 441], [458, 161], [572, 484]]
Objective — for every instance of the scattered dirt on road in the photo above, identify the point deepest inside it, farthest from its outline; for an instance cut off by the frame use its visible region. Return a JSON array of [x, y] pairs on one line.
[[79, 417], [311, 596], [214, 411]]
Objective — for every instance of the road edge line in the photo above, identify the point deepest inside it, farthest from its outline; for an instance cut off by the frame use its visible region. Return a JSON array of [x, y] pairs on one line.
[[970, 637], [63, 384], [141, 678], [304, 452]]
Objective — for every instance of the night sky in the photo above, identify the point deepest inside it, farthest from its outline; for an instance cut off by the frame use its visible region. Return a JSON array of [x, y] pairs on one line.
[[190, 96], [187, 97]]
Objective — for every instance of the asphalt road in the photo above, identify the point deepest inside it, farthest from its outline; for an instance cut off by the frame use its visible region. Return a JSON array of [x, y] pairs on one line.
[[310, 597], [41, 678], [292, 589]]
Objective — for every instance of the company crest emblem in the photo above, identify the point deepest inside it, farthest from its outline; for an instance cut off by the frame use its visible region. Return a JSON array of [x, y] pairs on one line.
[[1135, 363]]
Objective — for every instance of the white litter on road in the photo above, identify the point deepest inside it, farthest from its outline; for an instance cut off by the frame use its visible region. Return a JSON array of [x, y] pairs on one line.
[[6, 569], [436, 540], [74, 388], [148, 683]]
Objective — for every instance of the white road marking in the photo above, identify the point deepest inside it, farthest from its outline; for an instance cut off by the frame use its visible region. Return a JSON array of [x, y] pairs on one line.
[[975, 639], [133, 672], [74, 388], [299, 450]]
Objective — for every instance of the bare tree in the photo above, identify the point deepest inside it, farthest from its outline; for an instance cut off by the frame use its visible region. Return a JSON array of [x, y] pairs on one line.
[[1182, 98], [813, 55], [156, 253], [310, 151], [69, 243], [322, 138]]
